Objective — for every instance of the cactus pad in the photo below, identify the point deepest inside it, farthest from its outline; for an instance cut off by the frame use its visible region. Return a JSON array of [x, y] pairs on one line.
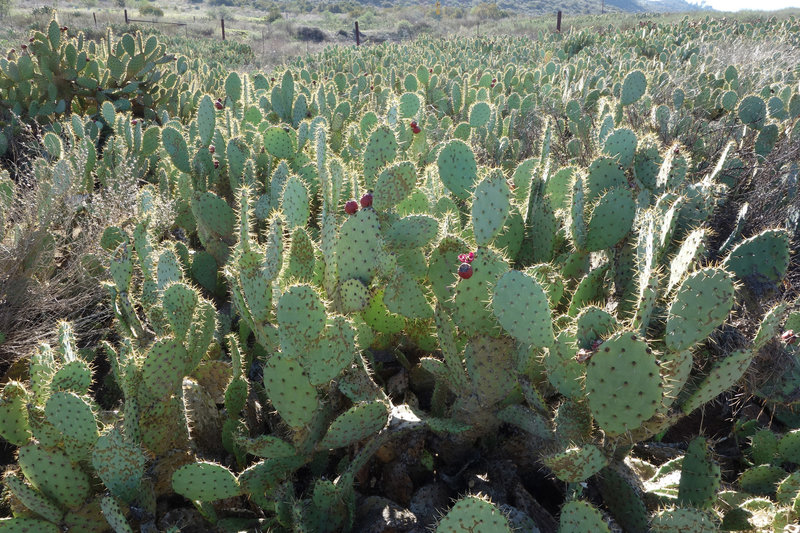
[[685, 520], [723, 376], [457, 168], [359, 244], [469, 303], [473, 514], [700, 476], [394, 184], [490, 207], [72, 416], [521, 307], [279, 143], [331, 354], [14, 414], [760, 259], [580, 516], [33, 499], [54, 475], [355, 296], [623, 383], [165, 366], [179, 301], [380, 151], [701, 303], [290, 390], [609, 219], [301, 316], [119, 464], [355, 424], [205, 482], [633, 87], [576, 464]]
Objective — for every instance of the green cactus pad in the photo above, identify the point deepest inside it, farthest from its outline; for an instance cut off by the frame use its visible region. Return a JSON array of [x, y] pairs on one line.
[[358, 245], [789, 489], [412, 231], [75, 376], [27, 525], [763, 447], [331, 354], [762, 480], [406, 297], [215, 224], [576, 464], [760, 259], [290, 390], [394, 185], [176, 147], [722, 377], [701, 303], [564, 372], [165, 366], [469, 302], [752, 111], [683, 520], [581, 517], [479, 114], [206, 120], [633, 88], [14, 414], [789, 447], [269, 447], [490, 366], [604, 173], [72, 416], [205, 482], [119, 464], [622, 493], [442, 267], [380, 151], [379, 318], [355, 424], [473, 514], [301, 256], [700, 476], [279, 143], [255, 283], [520, 304], [490, 207], [179, 301], [301, 316], [593, 324], [609, 219], [623, 383], [621, 145], [114, 514], [691, 251], [168, 270], [295, 203], [33, 499], [54, 475], [355, 296], [457, 168]]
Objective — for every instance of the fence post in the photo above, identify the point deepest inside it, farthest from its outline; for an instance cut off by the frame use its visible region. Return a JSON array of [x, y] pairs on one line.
[[358, 36], [558, 22], [95, 18], [223, 28], [126, 16]]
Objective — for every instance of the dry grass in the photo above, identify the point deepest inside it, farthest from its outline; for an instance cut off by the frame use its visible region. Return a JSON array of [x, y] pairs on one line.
[[51, 240]]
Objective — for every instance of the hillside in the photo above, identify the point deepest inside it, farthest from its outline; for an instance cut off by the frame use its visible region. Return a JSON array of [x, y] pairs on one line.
[[540, 7]]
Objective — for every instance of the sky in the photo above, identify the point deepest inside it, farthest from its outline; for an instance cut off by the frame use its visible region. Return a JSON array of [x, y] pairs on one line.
[[737, 5]]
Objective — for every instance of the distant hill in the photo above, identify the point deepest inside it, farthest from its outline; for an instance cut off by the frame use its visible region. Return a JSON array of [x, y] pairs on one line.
[[540, 7]]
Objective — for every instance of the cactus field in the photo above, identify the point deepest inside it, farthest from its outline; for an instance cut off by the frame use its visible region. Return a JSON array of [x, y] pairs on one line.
[[484, 284]]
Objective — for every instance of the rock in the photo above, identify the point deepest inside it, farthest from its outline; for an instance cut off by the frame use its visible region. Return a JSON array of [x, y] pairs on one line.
[[380, 515]]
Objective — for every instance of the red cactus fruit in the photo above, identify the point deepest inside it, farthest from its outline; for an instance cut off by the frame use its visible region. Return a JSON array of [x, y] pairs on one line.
[[465, 271], [351, 207]]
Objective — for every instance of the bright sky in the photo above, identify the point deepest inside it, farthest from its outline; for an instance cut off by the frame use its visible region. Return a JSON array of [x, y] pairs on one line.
[[737, 5]]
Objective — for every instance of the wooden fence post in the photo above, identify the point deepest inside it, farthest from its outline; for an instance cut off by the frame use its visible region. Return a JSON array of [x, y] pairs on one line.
[[126, 16], [95, 18], [358, 35], [223, 28], [558, 22]]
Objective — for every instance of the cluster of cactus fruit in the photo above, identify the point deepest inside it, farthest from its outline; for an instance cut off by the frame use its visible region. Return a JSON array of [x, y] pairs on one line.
[[586, 314]]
